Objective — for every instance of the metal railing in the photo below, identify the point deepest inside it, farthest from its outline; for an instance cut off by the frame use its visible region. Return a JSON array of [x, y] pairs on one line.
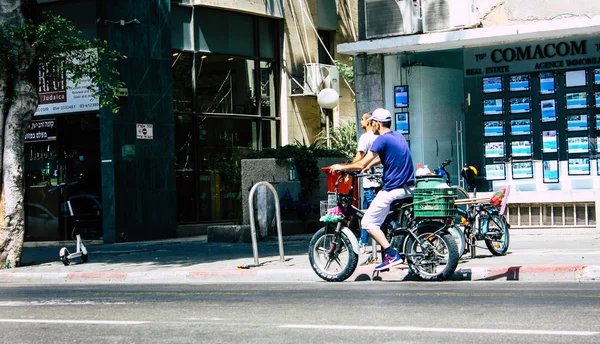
[[528, 215]]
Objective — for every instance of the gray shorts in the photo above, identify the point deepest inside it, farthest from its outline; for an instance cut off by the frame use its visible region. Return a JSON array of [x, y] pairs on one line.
[[380, 207]]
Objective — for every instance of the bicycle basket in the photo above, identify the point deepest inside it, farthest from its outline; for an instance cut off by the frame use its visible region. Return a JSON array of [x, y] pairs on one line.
[[326, 206], [330, 212], [438, 202]]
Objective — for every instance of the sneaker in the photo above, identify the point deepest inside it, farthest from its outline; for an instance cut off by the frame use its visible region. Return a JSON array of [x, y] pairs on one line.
[[389, 261], [363, 248]]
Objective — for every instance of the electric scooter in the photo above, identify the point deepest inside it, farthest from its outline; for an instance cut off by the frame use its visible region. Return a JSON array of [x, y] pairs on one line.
[[81, 251]]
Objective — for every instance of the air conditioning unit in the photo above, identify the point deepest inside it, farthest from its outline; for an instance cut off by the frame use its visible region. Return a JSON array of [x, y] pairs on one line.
[[384, 18], [443, 15], [319, 76]]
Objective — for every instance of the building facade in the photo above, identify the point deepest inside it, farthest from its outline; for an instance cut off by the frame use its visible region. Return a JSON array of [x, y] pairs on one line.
[[207, 82], [510, 87]]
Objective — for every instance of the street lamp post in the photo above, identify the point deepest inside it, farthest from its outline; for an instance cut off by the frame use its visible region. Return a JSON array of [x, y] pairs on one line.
[[328, 98]]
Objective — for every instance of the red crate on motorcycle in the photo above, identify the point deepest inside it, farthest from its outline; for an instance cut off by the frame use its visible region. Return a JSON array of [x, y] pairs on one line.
[[343, 187]]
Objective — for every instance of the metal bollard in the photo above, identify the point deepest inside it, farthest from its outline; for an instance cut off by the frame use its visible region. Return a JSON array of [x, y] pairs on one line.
[[253, 226]]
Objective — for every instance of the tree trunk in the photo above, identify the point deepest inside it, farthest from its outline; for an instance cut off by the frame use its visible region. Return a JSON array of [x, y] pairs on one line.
[[21, 84], [3, 92], [13, 191]]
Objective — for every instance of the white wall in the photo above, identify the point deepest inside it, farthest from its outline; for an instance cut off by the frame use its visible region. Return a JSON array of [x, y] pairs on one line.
[[435, 106], [505, 12]]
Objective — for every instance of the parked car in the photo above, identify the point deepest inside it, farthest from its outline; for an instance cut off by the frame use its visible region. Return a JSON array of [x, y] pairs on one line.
[[40, 223]]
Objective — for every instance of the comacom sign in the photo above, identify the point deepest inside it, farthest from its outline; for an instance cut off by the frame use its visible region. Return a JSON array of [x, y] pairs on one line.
[[551, 55], [59, 94]]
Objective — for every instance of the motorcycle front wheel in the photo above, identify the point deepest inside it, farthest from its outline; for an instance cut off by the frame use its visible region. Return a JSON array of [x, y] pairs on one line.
[[332, 257]]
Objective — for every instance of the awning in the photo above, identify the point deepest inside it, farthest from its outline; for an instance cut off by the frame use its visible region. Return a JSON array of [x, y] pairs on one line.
[[468, 38]]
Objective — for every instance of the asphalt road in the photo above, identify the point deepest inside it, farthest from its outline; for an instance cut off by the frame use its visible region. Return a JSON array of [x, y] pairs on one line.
[[367, 312]]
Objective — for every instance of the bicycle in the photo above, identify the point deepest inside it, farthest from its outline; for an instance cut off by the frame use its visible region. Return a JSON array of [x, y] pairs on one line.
[[429, 250], [483, 220]]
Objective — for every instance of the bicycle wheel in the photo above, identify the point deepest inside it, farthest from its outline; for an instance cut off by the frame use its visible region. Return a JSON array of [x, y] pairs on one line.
[[435, 258], [497, 237], [461, 242], [331, 257]]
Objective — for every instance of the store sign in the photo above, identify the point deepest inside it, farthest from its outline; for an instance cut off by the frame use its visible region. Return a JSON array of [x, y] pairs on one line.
[[144, 131], [549, 55], [58, 94], [41, 131]]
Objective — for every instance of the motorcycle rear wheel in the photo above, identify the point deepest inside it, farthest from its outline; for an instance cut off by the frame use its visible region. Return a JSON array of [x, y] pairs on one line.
[[436, 259]]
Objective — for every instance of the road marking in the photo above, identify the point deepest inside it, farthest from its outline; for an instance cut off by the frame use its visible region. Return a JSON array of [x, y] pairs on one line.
[[491, 294], [88, 322], [57, 303], [431, 329]]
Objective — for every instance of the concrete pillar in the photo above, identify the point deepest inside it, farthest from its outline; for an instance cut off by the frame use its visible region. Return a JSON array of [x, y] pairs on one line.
[[369, 81]]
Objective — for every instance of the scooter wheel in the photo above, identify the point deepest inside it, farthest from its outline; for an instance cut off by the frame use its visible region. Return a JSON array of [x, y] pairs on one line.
[[65, 260], [84, 258], [64, 256]]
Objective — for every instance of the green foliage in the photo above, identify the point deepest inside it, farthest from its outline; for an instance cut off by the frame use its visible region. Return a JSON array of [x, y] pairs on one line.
[[304, 158], [346, 70], [7, 264], [61, 50], [343, 138]]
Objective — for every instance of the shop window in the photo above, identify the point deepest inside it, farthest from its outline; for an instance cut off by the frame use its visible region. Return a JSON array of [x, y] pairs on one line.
[[225, 84], [269, 134], [187, 202], [225, 99], [183, 91], [224, 144], [267, 89], [64, 166]]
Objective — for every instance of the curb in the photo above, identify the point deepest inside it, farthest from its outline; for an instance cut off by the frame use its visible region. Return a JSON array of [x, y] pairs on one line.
[[531, 273], [256, 275]]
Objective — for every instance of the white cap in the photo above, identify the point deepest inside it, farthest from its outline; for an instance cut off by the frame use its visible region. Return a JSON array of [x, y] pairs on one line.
[[381, 115]]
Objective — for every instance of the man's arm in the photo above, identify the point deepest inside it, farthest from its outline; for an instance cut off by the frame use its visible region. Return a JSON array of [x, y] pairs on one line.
[[354, 166], [359, 155], [373, 163], [361, 148]]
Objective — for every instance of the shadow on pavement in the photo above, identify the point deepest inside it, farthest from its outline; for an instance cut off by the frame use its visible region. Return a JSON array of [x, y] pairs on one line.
[[162, 254]]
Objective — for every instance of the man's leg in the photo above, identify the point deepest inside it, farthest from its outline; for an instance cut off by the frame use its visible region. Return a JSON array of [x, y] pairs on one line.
[[368, 196], [373, 219]]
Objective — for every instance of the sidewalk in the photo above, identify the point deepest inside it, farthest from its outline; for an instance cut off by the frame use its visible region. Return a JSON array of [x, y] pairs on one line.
[[534, 255]]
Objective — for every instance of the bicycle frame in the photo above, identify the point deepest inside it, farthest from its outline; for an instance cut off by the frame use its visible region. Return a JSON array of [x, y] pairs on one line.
[[485, 211]]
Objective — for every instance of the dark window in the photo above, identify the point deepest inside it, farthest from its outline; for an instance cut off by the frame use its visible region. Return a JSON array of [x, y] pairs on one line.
[[183, 91], [325, 47], [185, 167], [225, 84], [268, 90]]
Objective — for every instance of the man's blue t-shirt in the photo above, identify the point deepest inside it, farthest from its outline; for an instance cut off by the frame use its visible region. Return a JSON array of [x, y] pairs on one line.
[[396, 159]]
